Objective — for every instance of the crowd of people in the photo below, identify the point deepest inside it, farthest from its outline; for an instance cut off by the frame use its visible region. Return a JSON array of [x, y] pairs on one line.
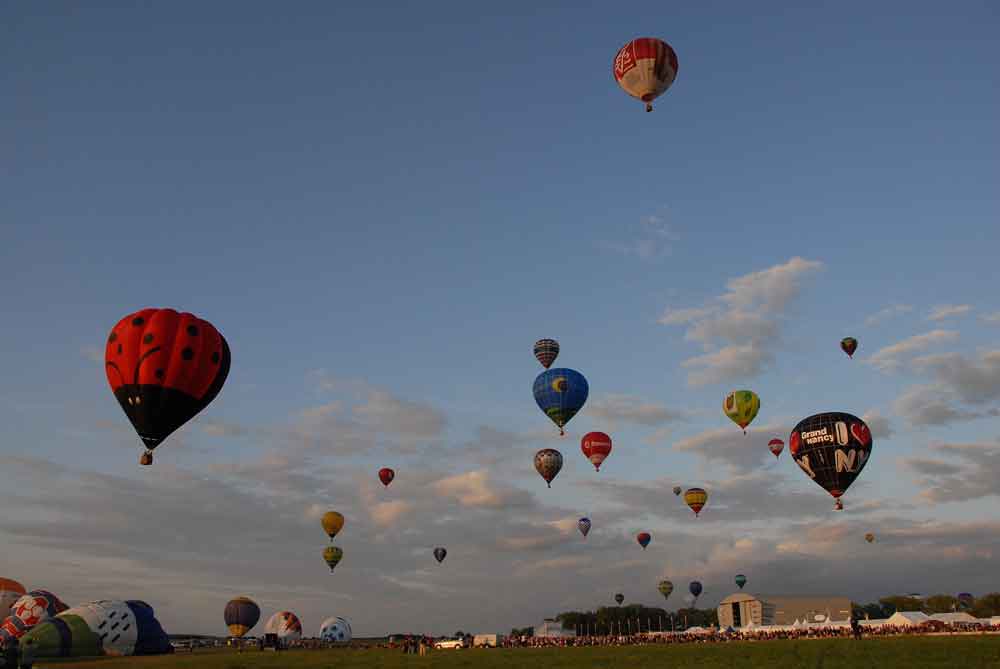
[[718, 636]]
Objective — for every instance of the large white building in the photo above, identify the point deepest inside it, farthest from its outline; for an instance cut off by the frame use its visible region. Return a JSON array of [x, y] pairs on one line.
[[553, 629], [741, 609]]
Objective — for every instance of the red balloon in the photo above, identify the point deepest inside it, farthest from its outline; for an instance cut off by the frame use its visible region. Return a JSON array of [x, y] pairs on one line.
[[596, 446], [386, 475], [164, 367], [644, 538], [776, 446]]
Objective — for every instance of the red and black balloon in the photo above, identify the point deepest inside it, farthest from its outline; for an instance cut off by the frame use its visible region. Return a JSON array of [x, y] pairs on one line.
[[164, 367]]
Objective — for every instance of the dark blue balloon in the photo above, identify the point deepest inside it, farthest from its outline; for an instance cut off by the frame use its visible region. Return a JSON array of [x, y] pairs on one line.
[[440, 553], [695, 588], [560, 393], [150, 637], [584, 525]]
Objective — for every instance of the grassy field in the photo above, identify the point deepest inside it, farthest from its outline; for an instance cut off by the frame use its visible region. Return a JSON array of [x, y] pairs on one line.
[[967, 652]]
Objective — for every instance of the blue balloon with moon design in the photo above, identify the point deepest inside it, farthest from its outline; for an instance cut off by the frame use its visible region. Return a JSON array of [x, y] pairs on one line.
[[560, 393]]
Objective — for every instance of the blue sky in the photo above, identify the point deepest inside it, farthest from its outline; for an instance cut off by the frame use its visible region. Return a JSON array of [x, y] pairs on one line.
[[385, 207]]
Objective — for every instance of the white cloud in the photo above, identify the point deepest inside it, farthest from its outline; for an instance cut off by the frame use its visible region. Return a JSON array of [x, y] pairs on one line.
[[652, 241], [927, 405], [474, 489], [974, 381], [961, 472], [878, 424], [402, 417], [630, 409], [944, 311], [740, 329], [887, 358], [728, 444], [991, 318], [887, 313]]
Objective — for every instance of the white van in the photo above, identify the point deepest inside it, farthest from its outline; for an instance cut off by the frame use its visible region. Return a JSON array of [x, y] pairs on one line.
[[450, 643], [486, 641]]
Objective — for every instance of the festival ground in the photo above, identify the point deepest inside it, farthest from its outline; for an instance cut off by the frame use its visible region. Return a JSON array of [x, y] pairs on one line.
[[970, 652]]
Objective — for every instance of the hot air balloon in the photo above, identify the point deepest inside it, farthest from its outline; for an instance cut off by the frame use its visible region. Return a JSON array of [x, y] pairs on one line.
[[832, 449], [619, 598], [105, 627], [241, 615], [164, 367], [677, 490], [596, 446], [695, 589], [869, 537], [696, 498], [643, 538], [966, 600], [645, 68], [439, 554], [546, 351], [560, 393], [286, 625], [332, 555], [741, 580], [548, 462], [386, 475], [741, 406], [10, 592], [28, 611], [776, 446], [336, 630], [665, 587], [849, 345], [332, 522], [584, 525]]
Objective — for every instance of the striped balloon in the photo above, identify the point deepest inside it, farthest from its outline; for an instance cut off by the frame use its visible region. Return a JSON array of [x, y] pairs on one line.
[[696, 498], [645, 68], [584, 525], [546, 351], [241, 615]]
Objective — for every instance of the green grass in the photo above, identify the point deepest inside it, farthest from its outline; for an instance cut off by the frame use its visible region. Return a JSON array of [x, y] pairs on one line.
[[966, 652]]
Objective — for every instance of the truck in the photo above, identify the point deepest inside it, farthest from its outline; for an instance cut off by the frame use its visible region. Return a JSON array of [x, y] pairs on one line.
[[486, 641]]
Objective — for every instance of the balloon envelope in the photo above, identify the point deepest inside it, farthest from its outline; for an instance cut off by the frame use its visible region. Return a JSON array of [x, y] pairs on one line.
[[741, 406], [386, 475], [332, 522], [560, 393], [869, 537], [665, 587], [619, 598], [741, 580], [240, 615], [696, 499], [596, 446], [164, 367], [29, 610], [105, 627], [440, 553], [643, 538], [336, 630], [548, 463], [677, 490], [584, 525], [695, 588], [546, 351], [10, 592], [285, 624], [849, 345], [776, 446], [831, 449], [332, 555], [645, 68]]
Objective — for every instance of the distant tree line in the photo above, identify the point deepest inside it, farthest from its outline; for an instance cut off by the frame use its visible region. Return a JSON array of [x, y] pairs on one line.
[[982, 607], [634, 619]]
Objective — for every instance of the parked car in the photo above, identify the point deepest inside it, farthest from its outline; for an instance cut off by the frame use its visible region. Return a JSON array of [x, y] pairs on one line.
[[450, 643]]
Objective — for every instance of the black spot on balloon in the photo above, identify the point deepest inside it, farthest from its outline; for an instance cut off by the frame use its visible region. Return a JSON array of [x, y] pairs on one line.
[[148, 339], [192, 330], [137, 321], [215, 357], [159, 373], [119, 349], [187, 353], [113, 338]]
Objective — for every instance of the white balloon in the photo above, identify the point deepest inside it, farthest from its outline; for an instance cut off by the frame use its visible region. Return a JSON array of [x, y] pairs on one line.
[[337, 630]]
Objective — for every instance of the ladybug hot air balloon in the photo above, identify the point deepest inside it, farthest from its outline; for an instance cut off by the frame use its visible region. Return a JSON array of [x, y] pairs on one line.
[[740, 580], [584, 526], [741, 406], [241, 615], [645, 68], [164, 367], [849, 345], [596, 446], [548, 463], [832, 449], [644, 538], [386, 475], [696, 498], [665, 587], [560, 393], [546, 351], [332, 522], [439, 554], [776, 446], [332, 555]]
